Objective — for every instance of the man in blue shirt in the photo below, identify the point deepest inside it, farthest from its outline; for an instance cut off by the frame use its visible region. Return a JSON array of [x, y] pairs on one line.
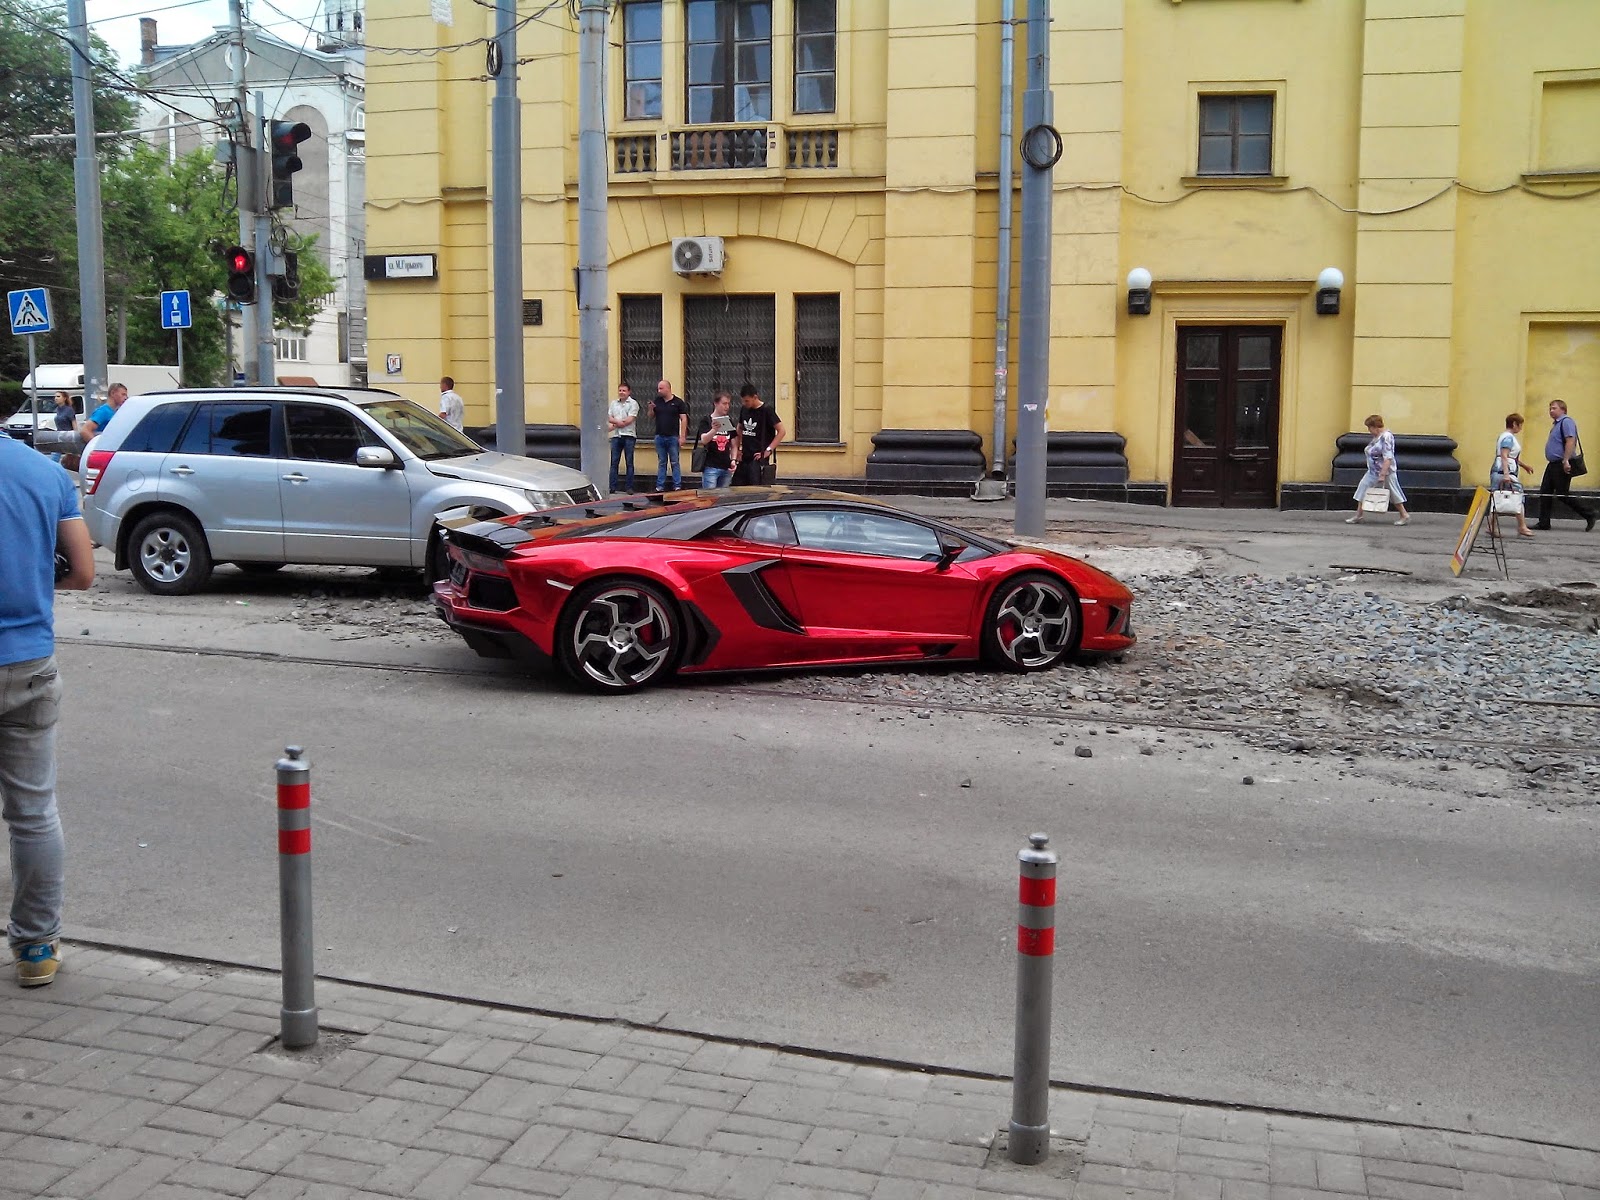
[[39, 518], [97, 421], [1559, 449]]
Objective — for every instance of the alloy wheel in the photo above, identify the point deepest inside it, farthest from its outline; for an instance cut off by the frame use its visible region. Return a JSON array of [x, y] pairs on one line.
[[623, 637], [165, 554], [1034, 623]]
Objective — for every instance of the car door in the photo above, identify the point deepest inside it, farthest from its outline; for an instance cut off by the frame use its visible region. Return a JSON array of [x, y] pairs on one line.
[[874, 580], [333, 510], [225, 472]]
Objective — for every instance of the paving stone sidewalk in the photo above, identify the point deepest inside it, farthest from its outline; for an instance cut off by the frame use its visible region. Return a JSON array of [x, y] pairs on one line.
[[136, 1077]]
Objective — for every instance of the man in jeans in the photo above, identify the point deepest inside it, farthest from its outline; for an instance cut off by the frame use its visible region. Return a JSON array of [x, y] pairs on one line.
[[672, 426], [39, 516]]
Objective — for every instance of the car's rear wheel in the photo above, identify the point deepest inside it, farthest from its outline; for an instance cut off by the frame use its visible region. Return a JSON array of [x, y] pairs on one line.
[[618, 635], [168, 555], [1031, 624]]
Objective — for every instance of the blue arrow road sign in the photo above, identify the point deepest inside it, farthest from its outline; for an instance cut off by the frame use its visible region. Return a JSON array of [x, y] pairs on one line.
[[174, 310], [30, 310]]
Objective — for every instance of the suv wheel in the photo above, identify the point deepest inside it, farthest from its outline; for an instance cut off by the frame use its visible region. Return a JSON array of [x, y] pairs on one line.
[[168, 554]]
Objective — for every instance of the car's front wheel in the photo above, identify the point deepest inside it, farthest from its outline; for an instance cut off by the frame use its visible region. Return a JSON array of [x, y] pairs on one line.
[[618, 635], [1031, 624], [168, 554]]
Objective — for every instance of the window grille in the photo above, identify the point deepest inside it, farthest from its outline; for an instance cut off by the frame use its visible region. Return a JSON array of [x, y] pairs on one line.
[[728, 341], [816, 366], [641, 346]]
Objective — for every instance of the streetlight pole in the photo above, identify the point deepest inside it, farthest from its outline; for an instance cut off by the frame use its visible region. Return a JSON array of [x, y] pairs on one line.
[[86, 179]]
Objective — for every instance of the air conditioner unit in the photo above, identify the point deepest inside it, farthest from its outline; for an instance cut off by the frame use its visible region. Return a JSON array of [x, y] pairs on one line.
[[697, 255]]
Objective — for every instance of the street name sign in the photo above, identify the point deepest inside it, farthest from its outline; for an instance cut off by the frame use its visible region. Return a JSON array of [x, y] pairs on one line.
[[30, 311], [399, 266], [175, 310]]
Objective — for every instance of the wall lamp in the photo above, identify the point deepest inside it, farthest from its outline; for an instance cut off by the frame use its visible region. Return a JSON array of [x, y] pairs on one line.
[[1328, 285], [1139, 292]]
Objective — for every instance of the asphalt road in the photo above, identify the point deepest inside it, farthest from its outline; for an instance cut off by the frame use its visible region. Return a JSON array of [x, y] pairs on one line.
[[815, 873]]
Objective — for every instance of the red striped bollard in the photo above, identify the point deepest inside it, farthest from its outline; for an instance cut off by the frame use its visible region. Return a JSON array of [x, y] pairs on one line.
[[1029, 1140], [298, 1018]]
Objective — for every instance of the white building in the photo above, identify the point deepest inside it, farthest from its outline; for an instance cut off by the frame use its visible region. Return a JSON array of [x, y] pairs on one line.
[[324, 87]]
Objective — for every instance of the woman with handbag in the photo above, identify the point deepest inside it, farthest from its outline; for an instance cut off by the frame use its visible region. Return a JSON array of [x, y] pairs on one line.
[[1503, 481], [1382, 474]]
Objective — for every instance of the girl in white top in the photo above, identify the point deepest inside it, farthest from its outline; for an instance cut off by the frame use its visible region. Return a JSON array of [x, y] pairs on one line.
[[1507, 465], [1381, 472]]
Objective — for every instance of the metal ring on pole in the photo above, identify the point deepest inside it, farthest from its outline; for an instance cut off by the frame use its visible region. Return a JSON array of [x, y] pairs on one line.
[[1037, 156], [493, 58]]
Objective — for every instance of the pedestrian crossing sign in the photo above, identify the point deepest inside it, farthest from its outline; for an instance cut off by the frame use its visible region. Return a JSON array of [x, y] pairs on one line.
[[30, 311]]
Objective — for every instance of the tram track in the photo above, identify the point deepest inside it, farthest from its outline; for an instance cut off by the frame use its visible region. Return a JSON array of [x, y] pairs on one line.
[[1058, 715]]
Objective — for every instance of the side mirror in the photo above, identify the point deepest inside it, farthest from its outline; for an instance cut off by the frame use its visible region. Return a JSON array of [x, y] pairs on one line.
[[949, 550], [376, 456]]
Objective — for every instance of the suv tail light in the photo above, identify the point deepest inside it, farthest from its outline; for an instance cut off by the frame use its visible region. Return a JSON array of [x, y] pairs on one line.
[[95, 468]]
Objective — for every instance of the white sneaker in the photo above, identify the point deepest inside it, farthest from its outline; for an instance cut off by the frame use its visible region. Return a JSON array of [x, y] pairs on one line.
[[1352, 520], [1403, 521]]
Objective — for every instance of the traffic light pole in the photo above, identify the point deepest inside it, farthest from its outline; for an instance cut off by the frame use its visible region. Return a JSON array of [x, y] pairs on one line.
[[86, 178], [243, 165], [265, 345]]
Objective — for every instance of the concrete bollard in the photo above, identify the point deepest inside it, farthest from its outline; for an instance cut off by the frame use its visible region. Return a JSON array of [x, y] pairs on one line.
[[1029, 1140], [298, 1018]]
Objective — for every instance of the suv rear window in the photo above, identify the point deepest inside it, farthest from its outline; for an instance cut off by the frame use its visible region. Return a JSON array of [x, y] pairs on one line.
[[158, 432]]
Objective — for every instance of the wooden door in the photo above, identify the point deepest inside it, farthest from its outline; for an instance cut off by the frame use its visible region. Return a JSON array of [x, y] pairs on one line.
[[1226, 454]]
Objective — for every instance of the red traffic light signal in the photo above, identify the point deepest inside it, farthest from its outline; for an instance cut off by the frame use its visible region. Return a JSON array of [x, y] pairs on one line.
[[241, 274], [286, 139]]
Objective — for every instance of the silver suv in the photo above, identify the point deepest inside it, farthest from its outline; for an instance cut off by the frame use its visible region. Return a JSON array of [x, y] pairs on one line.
[[260, 477]]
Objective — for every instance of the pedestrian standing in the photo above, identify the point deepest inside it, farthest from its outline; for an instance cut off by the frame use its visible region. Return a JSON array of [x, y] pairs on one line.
[[1508, 465], [672, 426], [97, 421], [1382, 471], [1561, 448], [720, 443], [622, 421], [66, 418], [452, 408], [760, 431], [39, 520]]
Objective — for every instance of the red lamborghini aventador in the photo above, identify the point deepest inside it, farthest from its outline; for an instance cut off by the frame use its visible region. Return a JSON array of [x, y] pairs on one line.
[[624, 592]]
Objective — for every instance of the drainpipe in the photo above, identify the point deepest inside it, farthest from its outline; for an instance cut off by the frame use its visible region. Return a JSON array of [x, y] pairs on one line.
[[994, 487]]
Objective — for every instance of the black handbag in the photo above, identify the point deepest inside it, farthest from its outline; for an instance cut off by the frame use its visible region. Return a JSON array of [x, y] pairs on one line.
[[1579, 467], [697, 460]]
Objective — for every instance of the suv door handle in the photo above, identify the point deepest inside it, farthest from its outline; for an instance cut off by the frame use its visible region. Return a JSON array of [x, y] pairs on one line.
[[296, 477], [183, 470]]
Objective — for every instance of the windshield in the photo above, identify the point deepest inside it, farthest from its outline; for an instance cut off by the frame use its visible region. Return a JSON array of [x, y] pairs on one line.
[[422, 433]]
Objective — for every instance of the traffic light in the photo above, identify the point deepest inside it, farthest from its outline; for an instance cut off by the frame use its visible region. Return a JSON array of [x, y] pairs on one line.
[[286, 139], [241, 274], [287, 285]]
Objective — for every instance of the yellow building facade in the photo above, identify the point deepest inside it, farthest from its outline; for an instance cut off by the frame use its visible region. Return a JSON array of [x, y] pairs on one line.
[[1443, 156]]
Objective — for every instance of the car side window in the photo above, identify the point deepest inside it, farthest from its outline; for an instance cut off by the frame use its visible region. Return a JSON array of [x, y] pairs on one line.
[[197, 437], [241, 430], [320, 433], [769, 529], [158, 432], [847, 532]]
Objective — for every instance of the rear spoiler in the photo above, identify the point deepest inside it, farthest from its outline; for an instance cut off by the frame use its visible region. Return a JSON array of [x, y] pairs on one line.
[[493, 539]]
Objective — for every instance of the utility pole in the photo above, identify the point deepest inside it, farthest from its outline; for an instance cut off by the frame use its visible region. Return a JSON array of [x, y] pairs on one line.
[[1041, 147], [245, 174], [505, 126], [266, 347], [593, 285], [86, 179]]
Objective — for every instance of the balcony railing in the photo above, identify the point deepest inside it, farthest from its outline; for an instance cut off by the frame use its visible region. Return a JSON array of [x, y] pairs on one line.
[[726, 148], [813, 148]]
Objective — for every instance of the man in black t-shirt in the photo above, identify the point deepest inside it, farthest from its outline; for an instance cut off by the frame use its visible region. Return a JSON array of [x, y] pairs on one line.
[[672, 426], [760, 431]]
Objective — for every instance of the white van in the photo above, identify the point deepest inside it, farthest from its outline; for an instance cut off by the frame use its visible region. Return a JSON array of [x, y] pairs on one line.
[[68, 377]]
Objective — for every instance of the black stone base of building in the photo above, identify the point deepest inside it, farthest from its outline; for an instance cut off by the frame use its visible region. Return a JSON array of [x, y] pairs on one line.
[[554, 443]]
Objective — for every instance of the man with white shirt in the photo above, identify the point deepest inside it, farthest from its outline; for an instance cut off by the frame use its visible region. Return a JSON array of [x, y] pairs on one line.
[[452, 409]]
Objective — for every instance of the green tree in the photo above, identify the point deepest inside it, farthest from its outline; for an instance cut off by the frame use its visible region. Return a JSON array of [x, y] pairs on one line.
[[37, 222]]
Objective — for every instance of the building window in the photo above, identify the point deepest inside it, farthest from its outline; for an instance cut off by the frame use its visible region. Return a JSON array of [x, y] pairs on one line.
[[816, 26], [641, 346], [816, 368], [1235, 135], [728, 341], [641, 60], [292, 349], [729, 72]]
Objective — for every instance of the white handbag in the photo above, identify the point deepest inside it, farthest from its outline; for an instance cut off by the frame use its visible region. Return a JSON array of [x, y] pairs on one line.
[[1375, 499], [1506, 502]]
